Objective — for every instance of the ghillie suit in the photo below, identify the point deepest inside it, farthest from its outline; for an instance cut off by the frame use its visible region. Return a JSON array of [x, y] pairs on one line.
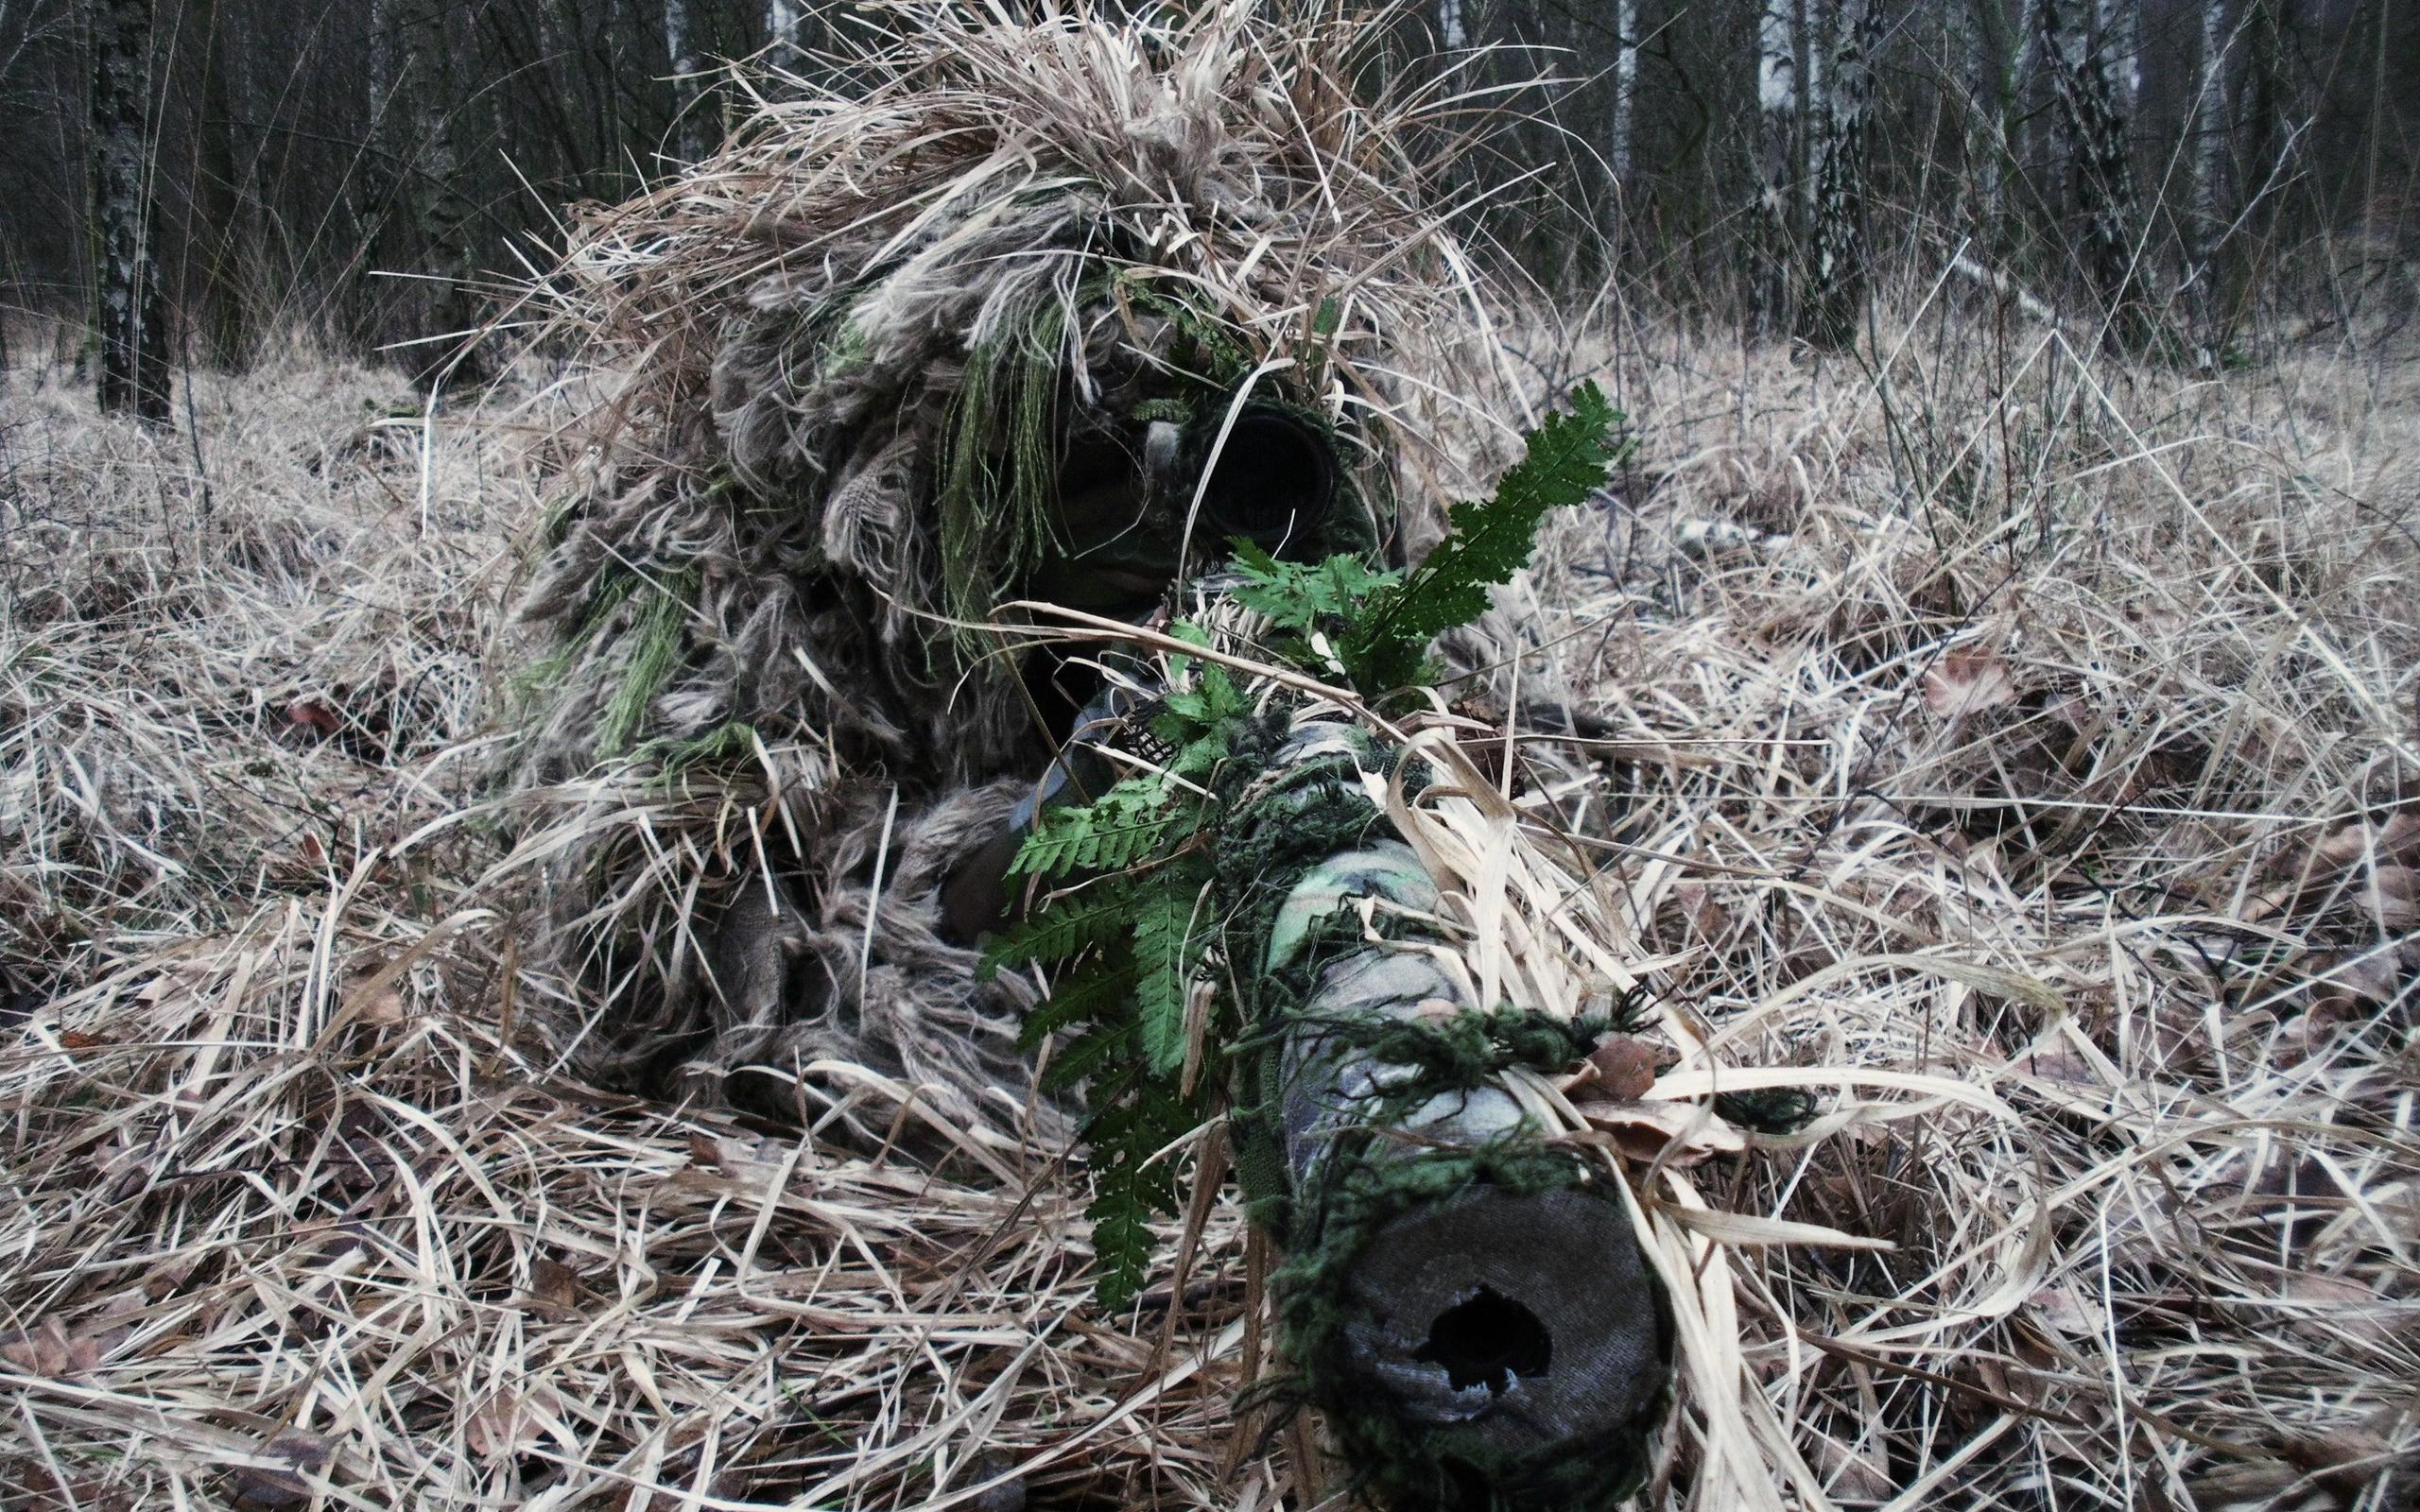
[[962, 337], [1041, 325]]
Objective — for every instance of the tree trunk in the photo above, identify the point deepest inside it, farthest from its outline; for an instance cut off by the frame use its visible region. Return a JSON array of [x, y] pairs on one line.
[[133, 304], [781, 19], [2091, 92], [2209, 211], [1453, 31], [1625, 85], [681, 49], [1621, 133], [1777, 110], [1841, 272], [1979, 36], [224, 239]]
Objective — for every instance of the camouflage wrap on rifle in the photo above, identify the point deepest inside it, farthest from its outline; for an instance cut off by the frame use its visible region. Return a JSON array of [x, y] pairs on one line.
[[1463, 1296]]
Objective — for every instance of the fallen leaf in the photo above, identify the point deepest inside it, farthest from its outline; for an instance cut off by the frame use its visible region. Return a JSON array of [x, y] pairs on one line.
[[2338, 1307], [2344, 1461], [312, 713], [2056, 1060], [48, 1350], [1968, 681], [2064, 1309], [2372, 868], [1649, 1130], [29, 1485], [1850, 1473], [299, 1456], [554, 1289], [1619, 1069], [1707, 917], [510, 1422]]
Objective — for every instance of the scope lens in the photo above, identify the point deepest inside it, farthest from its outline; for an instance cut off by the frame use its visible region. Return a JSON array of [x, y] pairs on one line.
[[1274, 481]]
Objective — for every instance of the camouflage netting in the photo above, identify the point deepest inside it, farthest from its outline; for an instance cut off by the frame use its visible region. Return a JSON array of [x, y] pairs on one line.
[[885, 361]]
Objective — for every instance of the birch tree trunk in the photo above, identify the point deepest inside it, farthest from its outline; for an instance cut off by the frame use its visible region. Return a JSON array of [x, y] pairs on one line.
[[1453, 28], [782, 18], [2209, 118], [1841, 271], [680, 51], [1625, 84], [1978, 36], [1778, 135], [1816, 23], [2091, 91], [133, 307]]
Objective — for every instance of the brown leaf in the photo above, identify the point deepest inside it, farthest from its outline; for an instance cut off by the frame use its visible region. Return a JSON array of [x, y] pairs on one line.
[[48, 1350], [1968, 681], [1646, 1129], [1707, 917], [29, 1485], [2056, 1060], [554, 1289], [2344, 1461], [2374, 868], [1624, 1068], [299, 1456], [2064, 1309], [2338, 1307], [313, 714], [1850, 1473], [510, 1422]]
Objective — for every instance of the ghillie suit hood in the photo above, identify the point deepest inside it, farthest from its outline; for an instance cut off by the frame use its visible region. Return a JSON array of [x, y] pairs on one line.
[[864, 353]]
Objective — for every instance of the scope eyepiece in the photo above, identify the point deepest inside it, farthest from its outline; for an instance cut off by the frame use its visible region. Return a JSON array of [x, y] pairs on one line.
[[1274, 483]]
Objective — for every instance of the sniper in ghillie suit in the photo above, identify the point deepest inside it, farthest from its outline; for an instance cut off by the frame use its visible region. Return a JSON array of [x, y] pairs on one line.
[[1006, 633]]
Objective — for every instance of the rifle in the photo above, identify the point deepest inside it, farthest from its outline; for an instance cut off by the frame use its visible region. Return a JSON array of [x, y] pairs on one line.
[[1257, 887]]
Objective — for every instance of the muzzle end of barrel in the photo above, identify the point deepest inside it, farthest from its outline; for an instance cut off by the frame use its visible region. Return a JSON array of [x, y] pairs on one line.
[[1516, 1343]]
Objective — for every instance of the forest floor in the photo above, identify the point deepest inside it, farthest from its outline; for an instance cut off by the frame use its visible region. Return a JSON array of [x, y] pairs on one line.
[[2024, 746]]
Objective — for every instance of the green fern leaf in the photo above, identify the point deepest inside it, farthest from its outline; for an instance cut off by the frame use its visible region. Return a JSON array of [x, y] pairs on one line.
[[1093, 991], [1091, 915], [1567, 459], [1104, 1045], [1164, 960], [1113, 831]]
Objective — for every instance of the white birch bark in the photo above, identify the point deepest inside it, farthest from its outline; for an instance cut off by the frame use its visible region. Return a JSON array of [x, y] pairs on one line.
[[1777, 136], [132, 307], [782, 18], [2090, 93], [680, 51], [1453, 28], [386, 77], [1841, 269], [1817, 21], [2119, 54], [2209, 118], [1973, 42], [1625, 84]]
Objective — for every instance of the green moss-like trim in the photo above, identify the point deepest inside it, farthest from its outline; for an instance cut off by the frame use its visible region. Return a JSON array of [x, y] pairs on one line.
[[656, 640]]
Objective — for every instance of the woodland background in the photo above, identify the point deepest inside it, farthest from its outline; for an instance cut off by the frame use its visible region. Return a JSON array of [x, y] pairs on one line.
[[184, 177]]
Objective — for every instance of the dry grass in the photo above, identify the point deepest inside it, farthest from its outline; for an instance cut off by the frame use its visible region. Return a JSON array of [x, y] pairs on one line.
[[2019, 748]]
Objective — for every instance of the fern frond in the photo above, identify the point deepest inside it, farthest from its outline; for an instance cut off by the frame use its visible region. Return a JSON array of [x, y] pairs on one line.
[[1164, 956], [1115, 832], [1095, 991], [1103, 1046], [1096, 913], [1567, 459]]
